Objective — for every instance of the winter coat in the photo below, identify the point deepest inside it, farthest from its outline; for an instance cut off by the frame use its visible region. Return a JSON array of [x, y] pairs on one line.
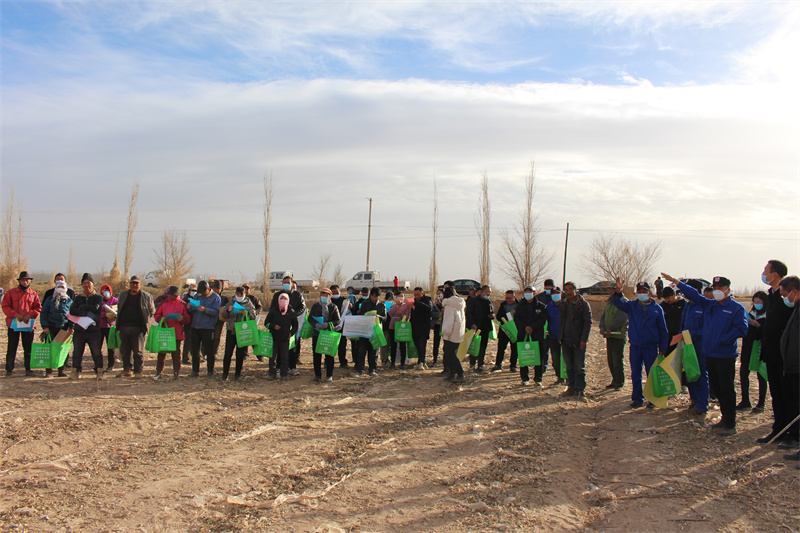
[[530, 313], [790, 344], [723, 323], [575, 320], [646, 325], [481, 313], [453, 319], [296, 301], [421, 317], [146, 306], [615, 320], [329, 314], [177, 307], [503, 310], [104, 322], [554, 320], [232, 318], [672, 315], [287, 324], [88, 306], [54, 316], [397, 312], [208, 318], [16, 302]]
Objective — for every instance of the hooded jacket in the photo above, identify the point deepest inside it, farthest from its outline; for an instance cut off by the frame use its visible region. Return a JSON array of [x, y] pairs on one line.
[[104, 322], [453, 319]]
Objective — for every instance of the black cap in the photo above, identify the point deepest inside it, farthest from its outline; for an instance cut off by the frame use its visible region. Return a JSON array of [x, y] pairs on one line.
[[86, 276], [643, 285], [721, 281], [215, 284], [668, 291], [548, 282], [24, 275], [173, 290], [555, 290], [202, 286]]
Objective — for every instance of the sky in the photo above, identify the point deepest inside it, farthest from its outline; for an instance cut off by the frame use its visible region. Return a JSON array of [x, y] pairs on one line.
[[674, 121]]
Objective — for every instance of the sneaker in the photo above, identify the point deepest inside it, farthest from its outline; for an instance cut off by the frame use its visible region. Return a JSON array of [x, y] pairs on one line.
[[611, 386], [764, 440], [718, 425], [30, 373], [537, 384], [560, 381], [691, 410], [636, 405], [48, 373], [194, 374], [137, 375], [73, 374], [420, 366], [175, 376], [458, 378], [125, 374], [344, 365], [372, 373], [567, 393], [157, 377], [743, 406], [788, 444], [358, 373], [224, 376], [447, 376], [525, 383], [480, 370], [317, 379], [443, 373], [512, 369], [496, 369], [294, 372], [329, 379], [758, 408], [61, 373], [210, 374], [726, 432], [100, 373]]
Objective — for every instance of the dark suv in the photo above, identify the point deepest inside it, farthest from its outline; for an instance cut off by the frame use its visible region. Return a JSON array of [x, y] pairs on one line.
[[601, 288], [463, 286]]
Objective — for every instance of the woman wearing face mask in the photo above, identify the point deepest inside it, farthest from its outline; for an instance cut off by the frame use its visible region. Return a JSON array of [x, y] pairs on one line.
[[171, 307], [756, 319], [323, 314], [231, 315], [453, 329], [107, 320], [282, 323], [54, 316], [401, 309]]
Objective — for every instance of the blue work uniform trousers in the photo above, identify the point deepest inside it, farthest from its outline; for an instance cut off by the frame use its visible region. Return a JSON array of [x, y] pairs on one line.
[[641, 356]]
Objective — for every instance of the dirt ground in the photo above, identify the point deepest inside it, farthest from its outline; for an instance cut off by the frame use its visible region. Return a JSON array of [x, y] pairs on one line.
[[403, 451]]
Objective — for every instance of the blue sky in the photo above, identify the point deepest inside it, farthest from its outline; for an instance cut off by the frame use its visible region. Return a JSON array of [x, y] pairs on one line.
[[676, 121]]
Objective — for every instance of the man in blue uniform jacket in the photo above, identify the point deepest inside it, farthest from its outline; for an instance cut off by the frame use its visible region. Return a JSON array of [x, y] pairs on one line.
[[723, 323], [647, 334]]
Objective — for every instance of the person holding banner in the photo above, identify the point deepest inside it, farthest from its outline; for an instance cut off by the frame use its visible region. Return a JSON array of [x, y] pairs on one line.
[[54, 316], [506, 312], [20, 304], [324, 315], [530, 316], [647, 335], [723, 323], [756, 319], [89, 305], [177, 316], [371, 306], [281, 321], [240, 309], [453, 322], [575, 320]]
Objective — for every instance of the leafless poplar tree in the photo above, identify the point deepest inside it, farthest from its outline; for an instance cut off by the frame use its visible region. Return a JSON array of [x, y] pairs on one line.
[[338, 275], [320, 270], [11, 260], [72, 274], [114, 276], [173, 258], [433, 271], [268, 194], [133, 220], [611, 256], [523, 259], [483, 225]]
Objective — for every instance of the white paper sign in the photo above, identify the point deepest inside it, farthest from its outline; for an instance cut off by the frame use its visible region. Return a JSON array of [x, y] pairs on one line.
[[358, 326]]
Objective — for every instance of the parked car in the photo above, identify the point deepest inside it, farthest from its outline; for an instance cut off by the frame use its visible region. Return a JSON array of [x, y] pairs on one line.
[[599, 288], [463, 286], [704, 282], [372, 278]]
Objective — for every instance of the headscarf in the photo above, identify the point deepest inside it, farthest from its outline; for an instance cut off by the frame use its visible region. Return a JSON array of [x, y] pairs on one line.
[[283, 303], [60, 292]]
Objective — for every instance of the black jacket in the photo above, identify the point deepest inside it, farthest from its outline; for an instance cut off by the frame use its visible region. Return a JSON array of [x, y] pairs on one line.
[[329, 314], [90, 306], [287, 322], [777, 317], [480, 314], [421, 317], [790, 344], [672, 316], [296, 301], [576, 321], [531, 313]]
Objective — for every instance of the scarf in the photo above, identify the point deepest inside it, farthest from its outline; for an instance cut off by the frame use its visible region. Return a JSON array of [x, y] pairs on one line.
[[283, 303]]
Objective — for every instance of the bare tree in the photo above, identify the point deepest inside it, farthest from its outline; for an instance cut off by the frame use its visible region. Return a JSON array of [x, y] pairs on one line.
[[484, 227], [268, 193], [433, 271], [338, 275], [611, 256], [133, 220], [173, 257], [523, 259], [11, 260], [72, 274], [320, 270]]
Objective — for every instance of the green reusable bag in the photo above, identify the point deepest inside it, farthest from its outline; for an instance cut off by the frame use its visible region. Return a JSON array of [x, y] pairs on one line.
[[475, 345], [509, 327], [402, 331], [306, 329], [41, 354], [160, 339], [265, 344], [378, 338], [328, 342], [59, 351], [755, 357], [762, 370], [292, 342], [663, 385], [528, 352], [113, 341], [562, 368], [411, 351], [690, 364], [246, 333], [493, 333]]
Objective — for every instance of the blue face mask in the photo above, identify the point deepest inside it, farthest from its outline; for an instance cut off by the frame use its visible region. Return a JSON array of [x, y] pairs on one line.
[[323, 300], [364, 296], [287, 287], [643, 297], [556, 297], [528, 296], [486, 296], [787, 302], [764, 279], [547, 291], [758, 307]]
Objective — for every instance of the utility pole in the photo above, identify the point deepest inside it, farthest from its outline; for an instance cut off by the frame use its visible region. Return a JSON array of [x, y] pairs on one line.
[[564, 273], [369, 230]]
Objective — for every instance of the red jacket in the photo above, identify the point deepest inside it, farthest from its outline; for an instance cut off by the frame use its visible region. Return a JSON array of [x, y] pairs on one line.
[[16, 302], [179, 308]]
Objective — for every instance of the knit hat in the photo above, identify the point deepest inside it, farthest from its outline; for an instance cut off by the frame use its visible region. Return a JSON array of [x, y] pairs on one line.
[[87, 277]]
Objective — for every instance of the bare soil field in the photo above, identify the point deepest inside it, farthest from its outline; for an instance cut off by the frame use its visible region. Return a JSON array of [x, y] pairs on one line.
[[403, 451]]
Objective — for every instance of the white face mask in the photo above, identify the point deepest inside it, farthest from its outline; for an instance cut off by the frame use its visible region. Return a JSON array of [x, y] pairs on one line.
[[718, 295], [241, 299], [106, 294]]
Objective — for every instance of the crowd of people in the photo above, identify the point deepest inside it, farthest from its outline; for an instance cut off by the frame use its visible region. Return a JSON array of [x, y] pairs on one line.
[[556, 320]]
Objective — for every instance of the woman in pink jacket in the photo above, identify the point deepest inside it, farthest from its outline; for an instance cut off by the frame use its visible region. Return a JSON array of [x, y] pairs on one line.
[[174, 310], [107, 319], [401, 308]]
